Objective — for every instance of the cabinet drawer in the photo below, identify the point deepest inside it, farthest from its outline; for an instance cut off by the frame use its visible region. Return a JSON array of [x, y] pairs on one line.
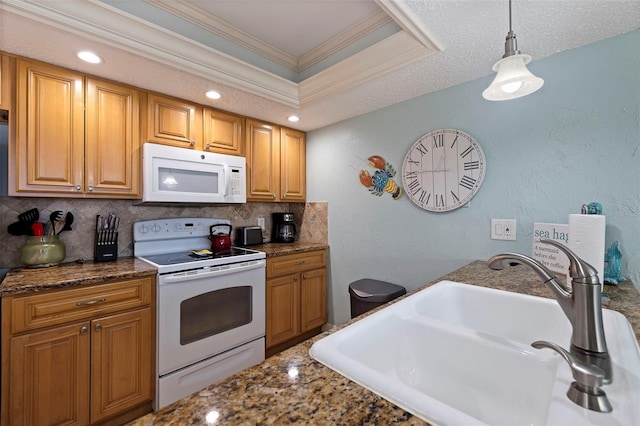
[[61, 306], [292, 263]]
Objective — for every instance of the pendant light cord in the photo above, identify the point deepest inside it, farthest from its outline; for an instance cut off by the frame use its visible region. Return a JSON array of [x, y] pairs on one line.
[[510, 29]]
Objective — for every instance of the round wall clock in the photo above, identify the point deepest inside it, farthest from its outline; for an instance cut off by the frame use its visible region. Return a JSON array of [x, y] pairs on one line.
[[443, 170]]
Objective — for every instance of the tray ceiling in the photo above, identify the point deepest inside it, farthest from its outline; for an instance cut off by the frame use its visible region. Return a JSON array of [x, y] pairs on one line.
[[323, 60]]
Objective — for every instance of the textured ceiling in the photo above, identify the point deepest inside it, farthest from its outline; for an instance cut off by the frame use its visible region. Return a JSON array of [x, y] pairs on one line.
[[438, 44]]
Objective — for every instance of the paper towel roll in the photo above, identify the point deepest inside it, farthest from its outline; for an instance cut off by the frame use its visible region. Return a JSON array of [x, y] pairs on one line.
[[586, 239]]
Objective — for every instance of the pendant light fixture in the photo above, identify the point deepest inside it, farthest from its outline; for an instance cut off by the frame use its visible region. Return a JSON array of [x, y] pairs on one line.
[[514, 79]]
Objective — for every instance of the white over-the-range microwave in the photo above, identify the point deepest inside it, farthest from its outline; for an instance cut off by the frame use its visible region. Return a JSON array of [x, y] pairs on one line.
[[181, 175]]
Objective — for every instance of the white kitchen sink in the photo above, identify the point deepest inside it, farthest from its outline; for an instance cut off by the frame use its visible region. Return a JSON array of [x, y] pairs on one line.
[[457, 354]]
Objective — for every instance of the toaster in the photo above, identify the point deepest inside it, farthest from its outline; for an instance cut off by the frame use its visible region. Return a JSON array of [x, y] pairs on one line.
[[248, 235]]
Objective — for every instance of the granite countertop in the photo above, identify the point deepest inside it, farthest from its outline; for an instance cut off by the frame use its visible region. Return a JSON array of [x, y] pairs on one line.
[[70, 274], [279, 249], [26, 280], [292, 388]]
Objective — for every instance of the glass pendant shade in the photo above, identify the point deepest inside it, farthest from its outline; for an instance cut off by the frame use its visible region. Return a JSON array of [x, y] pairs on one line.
[[513, 79]]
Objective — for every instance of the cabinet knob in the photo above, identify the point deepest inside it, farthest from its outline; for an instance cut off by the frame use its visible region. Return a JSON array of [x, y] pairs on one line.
[[274, 195], [304, 276], [98, 327], [78, 187], [208, 145], [284, 195], [193, 142], [90, 188], [84, 329], [295, 279]]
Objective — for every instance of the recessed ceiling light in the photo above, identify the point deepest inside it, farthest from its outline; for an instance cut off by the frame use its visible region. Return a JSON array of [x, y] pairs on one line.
[[293, 118], [90, 57], [212, 94]]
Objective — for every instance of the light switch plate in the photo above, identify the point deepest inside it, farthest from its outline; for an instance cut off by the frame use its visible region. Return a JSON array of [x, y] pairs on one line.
[[503, 229]]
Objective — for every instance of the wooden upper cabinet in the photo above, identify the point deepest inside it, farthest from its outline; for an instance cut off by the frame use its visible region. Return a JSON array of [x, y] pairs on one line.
[[173, 122], [112, 154], [263, 161], [75, 136], [49, 146], [6, 77], [293, 185], [276, 163], [222, 132]]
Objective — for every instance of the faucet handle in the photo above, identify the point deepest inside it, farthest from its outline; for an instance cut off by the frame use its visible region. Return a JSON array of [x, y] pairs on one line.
[[586, 390], [578, 268]]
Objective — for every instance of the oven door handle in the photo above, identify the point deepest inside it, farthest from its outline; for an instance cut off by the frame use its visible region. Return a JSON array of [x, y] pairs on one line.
[[170, 279]]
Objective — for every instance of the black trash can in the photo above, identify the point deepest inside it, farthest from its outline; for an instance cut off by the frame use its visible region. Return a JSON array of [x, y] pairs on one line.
[[367, 294]]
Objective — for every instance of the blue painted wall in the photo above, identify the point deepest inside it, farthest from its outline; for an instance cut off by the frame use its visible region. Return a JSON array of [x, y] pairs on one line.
[[573, 142]]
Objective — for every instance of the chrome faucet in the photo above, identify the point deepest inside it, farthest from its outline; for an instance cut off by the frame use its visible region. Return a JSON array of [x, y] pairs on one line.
[[588, 356]]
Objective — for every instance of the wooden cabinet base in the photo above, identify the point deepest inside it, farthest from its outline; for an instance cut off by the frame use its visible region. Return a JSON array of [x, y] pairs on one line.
[[286, 345], [128, 416]]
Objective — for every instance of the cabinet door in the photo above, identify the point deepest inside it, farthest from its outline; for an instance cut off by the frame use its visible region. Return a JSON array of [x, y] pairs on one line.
[[293, 171], [112, 140], [283, 309], [313, 299], [173, 122], [122, 353], [263, 161], [49, 377], [222, 132], [49, 146], [5, 82]]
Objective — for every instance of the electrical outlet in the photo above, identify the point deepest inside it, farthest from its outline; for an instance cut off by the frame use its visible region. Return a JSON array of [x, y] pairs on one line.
[[503, 229], [261, 222]]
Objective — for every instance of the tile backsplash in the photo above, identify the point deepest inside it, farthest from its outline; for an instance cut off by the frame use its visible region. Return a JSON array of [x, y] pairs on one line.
[[311, 221]]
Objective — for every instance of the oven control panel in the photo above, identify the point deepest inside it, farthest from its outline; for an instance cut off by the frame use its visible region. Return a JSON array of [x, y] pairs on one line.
[[174, 228]]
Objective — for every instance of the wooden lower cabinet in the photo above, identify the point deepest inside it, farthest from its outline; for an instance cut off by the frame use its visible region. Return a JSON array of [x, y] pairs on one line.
[[93, 370], [296, 298]]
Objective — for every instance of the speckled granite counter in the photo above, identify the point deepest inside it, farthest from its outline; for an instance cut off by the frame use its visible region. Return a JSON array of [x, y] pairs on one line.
[[271, 393], [24, 280], [279, 249]]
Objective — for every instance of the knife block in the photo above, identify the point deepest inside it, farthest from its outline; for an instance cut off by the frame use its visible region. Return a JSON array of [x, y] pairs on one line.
[[105, 251]]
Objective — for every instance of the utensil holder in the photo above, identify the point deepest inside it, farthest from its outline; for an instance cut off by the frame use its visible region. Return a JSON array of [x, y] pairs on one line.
[[106, 246], [42, 251]]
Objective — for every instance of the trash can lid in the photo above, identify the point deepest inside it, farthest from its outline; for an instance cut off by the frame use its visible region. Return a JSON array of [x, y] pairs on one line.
[[368, 287]]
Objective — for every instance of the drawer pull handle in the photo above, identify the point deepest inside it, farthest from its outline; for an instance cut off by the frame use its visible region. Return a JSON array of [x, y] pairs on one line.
[[91, 302], [300, 262]]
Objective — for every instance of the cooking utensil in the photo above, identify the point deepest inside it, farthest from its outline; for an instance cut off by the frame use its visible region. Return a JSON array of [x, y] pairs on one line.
[[54, 218], [68, 220], [220, 241], [19, 228], [31, 215]]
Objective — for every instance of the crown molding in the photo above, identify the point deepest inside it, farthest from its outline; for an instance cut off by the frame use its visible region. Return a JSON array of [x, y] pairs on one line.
[[387, 55], [100, 22], [222, 28], [409, 22], [343, 39]]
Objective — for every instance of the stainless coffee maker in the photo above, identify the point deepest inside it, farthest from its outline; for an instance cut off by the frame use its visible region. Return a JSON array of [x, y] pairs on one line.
[[284, 230]]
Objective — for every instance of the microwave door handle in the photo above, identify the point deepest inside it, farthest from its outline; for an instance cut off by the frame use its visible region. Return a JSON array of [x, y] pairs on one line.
[[226, 179]]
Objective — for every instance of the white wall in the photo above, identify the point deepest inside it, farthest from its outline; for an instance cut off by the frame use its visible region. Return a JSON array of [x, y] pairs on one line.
[[573, 142]]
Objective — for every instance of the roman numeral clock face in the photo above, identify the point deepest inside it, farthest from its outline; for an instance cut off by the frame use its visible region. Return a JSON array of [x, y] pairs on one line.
[[443, 170]]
